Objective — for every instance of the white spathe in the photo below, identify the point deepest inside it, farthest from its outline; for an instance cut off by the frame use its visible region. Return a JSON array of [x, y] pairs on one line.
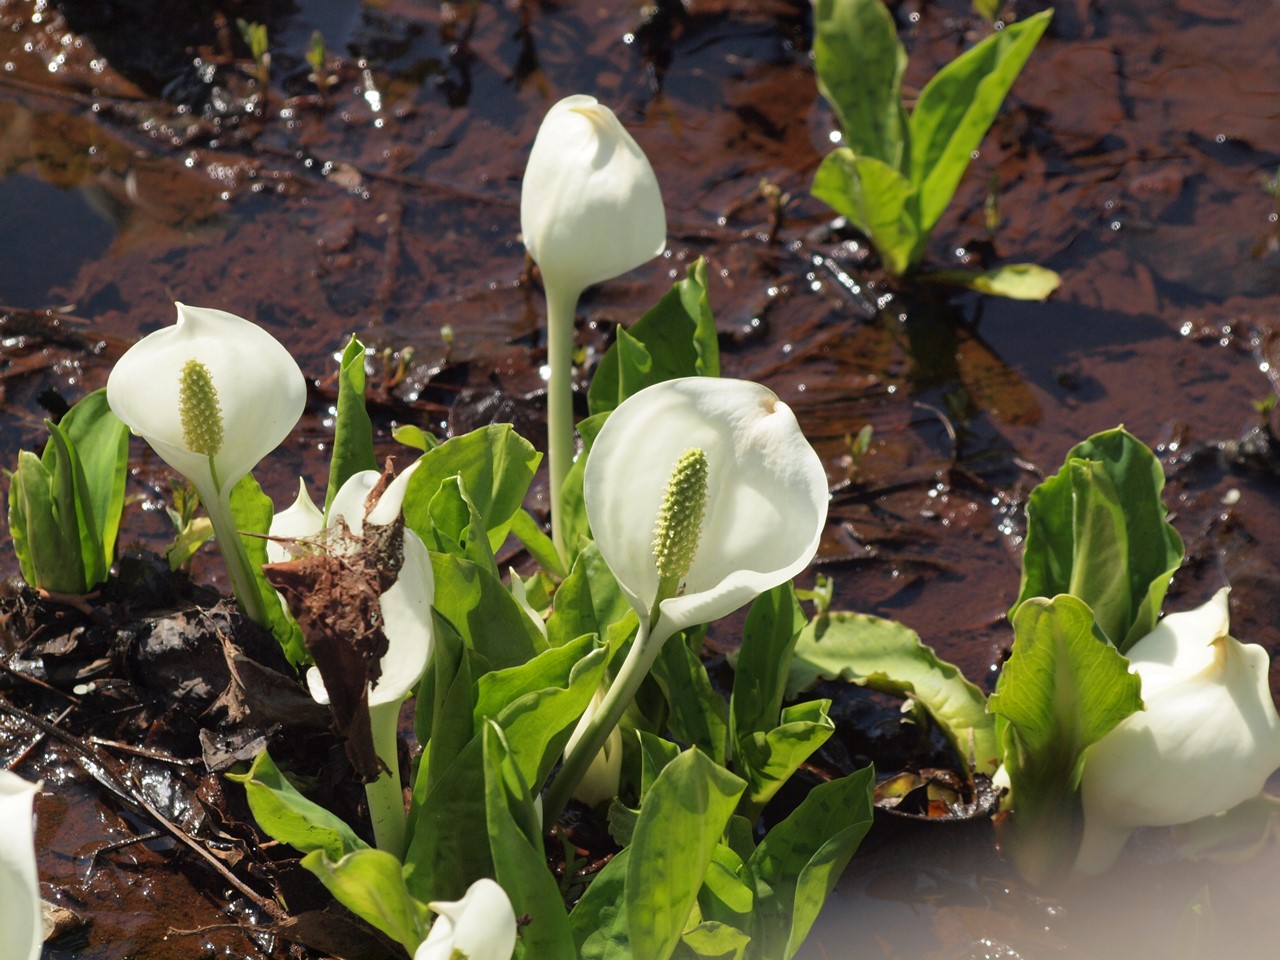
[[21, 928], [601, 781], [406, 605], [590, 207], [300, 520], [1208, 739], [261, 393], [480, 926], [766, 504]]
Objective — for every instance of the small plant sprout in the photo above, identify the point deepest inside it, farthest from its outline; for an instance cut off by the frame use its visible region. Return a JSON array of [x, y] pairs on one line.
[[255, 37], [21, 929], [213, 394], [590, 210], [317, 57], [895, 174], [1207, 740], [702, 494], [480, 926]]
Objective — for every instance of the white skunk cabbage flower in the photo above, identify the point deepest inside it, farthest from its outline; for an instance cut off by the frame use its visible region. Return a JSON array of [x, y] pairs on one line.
[[1208, 739], [752, 522], [603, 777], [590, 207], [21, 926], [480, 926], [590, 210], [212, 395], [406, 606], [406, 621]]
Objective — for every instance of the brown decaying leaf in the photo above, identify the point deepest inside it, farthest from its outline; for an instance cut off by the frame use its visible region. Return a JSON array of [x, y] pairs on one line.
[[335, 595]]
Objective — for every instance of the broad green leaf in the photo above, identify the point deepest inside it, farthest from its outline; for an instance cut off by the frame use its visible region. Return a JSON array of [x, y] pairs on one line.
[[1017, 281], [760, 672], [957, 107], [878, 200], [681, 819], [588, 601], [1063, 688], [676, 338], [101, 443], [457, 527], [599, 920], [724, 895], [74, 504], [800, 859], [1097, 530], [698, 715], [443, 713], [484, 612], [769, 758], [251, 509], [539, 703], [289, 817], [712, 940], [369, 884], [656, 753], [353, 431], [860, 62], [449, 848], [526, 530], [496, 465], [889, 657], [415, 437], [519, 863]]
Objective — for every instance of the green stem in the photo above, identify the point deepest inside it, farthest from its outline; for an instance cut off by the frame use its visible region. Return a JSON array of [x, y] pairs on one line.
[[234, 556], [621, 692], [561, 305], [385, 797]]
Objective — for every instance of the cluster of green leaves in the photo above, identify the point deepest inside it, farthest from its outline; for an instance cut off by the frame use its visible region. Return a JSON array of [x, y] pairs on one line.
[[65, 505], [513, 669], [895, 173], [1099, 555]]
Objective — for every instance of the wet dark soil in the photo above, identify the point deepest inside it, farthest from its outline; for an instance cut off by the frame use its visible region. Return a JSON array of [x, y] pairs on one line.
[[142, 161]]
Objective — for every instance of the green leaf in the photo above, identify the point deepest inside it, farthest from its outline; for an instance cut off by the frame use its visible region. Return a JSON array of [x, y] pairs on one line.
[[656, 753], [1017, 281], [574, 516], [484, 612], [538, 704], [698, 715], [457, 527], [449, 848], [769, 758], [1063, 688], [724, 895], [589, 600], [44, 524], [760, 672], [889, 657], [800, 859], [353, 431], [599, 920], [1097, 530], [525, 529], [289, 817], [251, 509], [676, 338], [443, 712], [878, 200], [414, 436], [101, 444], [519, 863], [957, 107], [681, 819], [496, 465], [369, 884], [713, 940], [860, 63]]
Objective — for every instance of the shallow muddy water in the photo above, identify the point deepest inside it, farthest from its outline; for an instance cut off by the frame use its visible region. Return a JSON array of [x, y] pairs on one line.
[[1137, 155]]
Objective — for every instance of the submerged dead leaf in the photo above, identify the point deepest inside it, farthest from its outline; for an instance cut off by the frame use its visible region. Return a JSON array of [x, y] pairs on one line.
[[335, 595]]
